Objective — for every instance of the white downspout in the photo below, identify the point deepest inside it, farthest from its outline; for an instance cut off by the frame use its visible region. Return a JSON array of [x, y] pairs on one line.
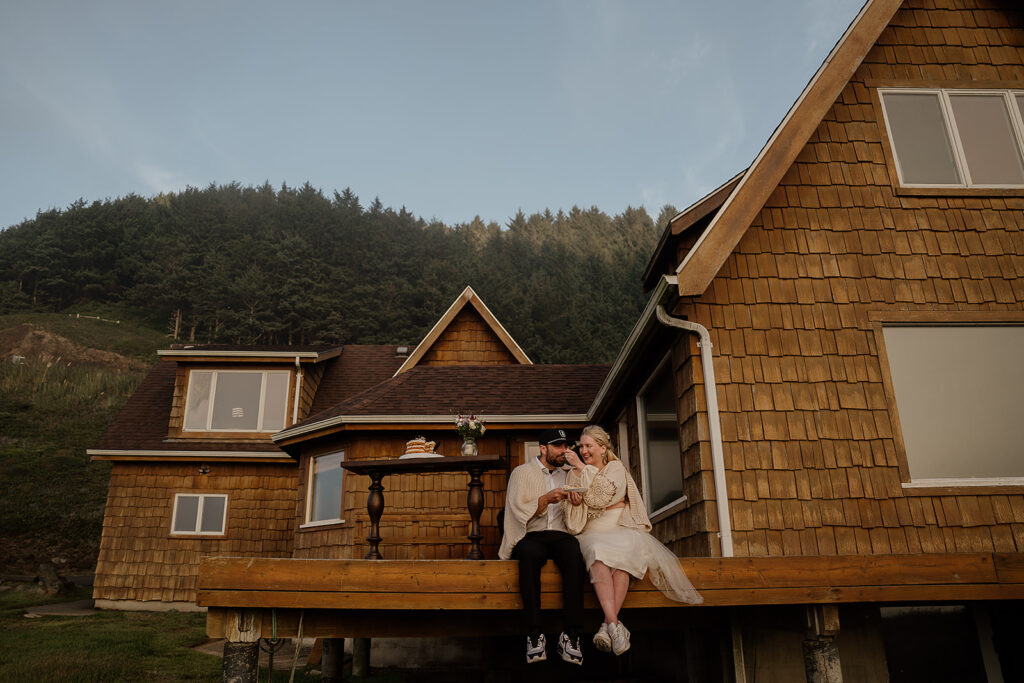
[[715, 426], [298, 390]]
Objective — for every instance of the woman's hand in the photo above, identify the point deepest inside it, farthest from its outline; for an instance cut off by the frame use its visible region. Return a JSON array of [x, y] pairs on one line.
[[576, 498], [574, 461]]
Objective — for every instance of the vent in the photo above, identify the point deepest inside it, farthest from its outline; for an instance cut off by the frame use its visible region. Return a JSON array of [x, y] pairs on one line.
[[402, 351]]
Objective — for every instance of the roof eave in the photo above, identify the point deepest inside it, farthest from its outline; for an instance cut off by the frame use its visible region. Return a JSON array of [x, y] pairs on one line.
[[707, 256]]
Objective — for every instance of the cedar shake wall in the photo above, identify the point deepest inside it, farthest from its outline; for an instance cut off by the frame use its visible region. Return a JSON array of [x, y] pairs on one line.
[[468, 340], [138, 559], [810, 446], [425, 515]]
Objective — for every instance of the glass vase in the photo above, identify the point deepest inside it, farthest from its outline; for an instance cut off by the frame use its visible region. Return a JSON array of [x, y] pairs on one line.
[[469, 446]]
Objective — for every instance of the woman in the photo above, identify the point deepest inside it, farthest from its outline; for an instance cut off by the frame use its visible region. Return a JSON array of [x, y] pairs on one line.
[[611, 521]]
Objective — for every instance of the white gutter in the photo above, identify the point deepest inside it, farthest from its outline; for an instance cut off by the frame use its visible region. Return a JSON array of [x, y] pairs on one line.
[[186, 454], [714, 425], [298, 390], [238, 354], [422, 419]]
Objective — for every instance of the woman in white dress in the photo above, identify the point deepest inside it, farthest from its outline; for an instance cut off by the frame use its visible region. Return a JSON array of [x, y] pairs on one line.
[[613, 530]]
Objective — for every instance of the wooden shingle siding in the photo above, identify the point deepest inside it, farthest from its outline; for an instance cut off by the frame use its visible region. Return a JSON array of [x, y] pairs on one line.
[[138, 559], [425, 515], [468, 340], [811, 448]]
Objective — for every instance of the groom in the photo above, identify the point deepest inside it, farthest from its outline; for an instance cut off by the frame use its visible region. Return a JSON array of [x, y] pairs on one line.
[[534, 533]]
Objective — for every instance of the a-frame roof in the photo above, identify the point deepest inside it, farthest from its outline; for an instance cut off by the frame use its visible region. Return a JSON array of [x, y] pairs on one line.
[[707, 256], [467, 298]]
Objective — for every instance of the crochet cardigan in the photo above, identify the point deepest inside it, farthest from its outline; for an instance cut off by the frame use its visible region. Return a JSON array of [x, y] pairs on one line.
[[601, 492]]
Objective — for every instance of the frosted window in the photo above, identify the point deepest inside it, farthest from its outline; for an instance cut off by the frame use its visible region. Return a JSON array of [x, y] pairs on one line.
[[197, 407], [988, 140], [237, 400], [236, 405], [959, 392], [917, 129]]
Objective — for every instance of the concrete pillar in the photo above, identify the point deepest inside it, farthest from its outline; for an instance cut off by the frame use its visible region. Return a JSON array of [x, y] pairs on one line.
[[241, 662], [821, 656], [332, 661], [361, 657]]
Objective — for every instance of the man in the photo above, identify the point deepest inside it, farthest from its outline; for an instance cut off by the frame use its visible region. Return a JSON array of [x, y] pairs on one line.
[[534, 533]]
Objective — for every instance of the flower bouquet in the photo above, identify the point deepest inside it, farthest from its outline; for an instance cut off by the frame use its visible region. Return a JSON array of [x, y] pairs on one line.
[[470, 429]]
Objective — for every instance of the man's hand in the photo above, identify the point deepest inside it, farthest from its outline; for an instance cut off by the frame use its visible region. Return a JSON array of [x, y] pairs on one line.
[[576, 498], [552, 496]]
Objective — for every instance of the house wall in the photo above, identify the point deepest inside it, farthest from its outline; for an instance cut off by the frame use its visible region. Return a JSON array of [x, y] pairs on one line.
[[811, 446], [468, 340], [139, 561], [425, 515]]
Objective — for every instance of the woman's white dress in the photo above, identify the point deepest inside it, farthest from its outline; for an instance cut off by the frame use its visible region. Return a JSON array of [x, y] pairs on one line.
[[621, 541]]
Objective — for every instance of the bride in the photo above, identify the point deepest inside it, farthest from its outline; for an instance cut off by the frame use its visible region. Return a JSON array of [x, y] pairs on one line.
[[613, 530]]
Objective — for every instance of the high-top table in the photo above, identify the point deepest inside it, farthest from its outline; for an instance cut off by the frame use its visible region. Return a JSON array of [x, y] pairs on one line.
[[475, 465]]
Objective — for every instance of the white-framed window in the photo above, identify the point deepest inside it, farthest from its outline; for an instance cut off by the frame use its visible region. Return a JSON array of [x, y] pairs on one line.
[[959, 392], [236, 400], [622, 446], [324, 489], [199, 514], [956, 138], [658, 426]]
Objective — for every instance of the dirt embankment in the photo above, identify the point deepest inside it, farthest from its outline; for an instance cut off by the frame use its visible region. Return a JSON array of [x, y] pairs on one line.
[[35, 343]]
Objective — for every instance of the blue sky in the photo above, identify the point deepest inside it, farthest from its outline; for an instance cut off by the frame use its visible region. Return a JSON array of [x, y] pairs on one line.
[[451, 109]]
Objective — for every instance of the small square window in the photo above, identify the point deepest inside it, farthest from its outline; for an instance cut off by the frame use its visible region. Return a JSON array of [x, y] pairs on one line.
[[199, 513]]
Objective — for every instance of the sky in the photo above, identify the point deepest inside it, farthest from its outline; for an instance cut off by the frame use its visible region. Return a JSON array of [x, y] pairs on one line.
[[452, 109]]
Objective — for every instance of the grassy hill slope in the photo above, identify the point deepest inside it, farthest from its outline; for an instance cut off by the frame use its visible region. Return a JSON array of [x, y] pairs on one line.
[[72, 376]]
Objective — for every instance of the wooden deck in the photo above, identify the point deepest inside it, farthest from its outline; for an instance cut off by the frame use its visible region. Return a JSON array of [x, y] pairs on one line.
[[416, 597]]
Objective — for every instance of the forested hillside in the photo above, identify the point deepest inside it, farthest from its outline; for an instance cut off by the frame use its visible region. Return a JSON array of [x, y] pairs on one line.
[[258, 265]]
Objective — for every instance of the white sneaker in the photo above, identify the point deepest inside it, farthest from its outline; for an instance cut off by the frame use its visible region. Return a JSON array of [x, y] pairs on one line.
[[569, 649], [620, 637], [536, 652], [603, 641]]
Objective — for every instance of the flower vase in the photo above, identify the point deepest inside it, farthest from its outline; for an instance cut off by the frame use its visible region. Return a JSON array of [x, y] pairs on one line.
[[469, 446]]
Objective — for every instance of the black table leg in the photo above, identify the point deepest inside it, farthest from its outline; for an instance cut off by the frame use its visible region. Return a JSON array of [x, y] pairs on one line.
[[375, 508], [475, 502]]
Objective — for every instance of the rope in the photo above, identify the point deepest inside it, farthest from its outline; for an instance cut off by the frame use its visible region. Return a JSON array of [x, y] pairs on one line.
[[298, 644]]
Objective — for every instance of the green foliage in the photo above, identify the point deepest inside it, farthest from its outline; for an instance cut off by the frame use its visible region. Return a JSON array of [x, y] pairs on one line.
[[240, 264]]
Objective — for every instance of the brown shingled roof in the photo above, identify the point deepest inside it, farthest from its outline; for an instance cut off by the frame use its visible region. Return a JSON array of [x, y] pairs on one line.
[[485, 389], [357, 368]]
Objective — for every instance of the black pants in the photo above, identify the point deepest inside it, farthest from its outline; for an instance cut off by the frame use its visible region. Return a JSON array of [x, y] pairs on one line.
[[533, 551]]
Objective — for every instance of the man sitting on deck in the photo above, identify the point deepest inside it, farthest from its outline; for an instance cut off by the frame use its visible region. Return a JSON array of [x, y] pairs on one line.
[[534, 533]]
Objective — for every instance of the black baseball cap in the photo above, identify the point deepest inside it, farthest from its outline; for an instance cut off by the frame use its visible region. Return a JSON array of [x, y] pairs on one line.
[[550, 436]]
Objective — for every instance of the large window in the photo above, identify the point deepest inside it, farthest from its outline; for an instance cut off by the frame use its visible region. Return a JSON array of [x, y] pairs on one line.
[[199, 514], [959, 393], [236, 400], [323, 503], [956, 138], [661, 459]]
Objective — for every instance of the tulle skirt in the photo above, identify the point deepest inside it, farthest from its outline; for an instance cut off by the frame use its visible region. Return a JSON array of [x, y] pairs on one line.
[[637, 553]]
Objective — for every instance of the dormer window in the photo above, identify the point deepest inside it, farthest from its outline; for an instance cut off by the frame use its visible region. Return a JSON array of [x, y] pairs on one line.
[[951, 138], [236, 400]]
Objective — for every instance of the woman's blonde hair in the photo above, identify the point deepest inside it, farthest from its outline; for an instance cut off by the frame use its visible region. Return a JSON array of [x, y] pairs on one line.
[[603, 438]]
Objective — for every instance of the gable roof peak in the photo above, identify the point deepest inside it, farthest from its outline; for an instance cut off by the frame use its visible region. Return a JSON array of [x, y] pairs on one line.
[[469, 298]]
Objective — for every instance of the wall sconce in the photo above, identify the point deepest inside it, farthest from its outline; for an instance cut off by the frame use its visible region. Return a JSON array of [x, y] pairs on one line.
[[204, 469]]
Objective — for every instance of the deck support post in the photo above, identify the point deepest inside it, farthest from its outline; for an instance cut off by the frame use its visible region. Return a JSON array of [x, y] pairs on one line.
[[375, 508], [361, 657], [332, 662], [475, 503], [242, 647], [821, 656]]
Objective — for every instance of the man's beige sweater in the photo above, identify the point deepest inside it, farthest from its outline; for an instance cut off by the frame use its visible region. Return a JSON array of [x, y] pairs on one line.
[[527, 483]]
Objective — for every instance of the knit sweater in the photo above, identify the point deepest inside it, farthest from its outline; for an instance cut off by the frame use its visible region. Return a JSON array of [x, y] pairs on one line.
[[605, 487], [527, 483]]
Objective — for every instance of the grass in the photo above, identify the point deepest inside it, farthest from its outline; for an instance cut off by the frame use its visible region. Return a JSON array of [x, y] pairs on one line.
[[128, 337], [51, 496], [114, 646]]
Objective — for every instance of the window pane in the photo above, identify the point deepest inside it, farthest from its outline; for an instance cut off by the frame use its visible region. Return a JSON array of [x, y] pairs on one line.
[[919, 139], [664, 462], [198, 404], [236, 404], [959, 392], [275, 406], [186, 512], [988, 140], [1020, 104], [213, 514], [326, 488]]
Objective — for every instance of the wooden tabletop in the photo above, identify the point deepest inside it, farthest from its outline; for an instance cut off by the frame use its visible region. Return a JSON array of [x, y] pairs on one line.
[[447, 463]]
